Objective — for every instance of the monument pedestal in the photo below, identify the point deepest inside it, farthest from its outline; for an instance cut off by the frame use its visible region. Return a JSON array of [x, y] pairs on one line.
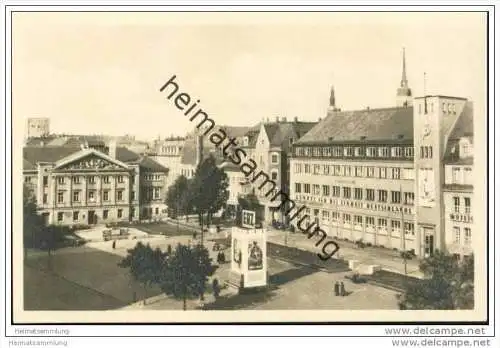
[[248, 259]]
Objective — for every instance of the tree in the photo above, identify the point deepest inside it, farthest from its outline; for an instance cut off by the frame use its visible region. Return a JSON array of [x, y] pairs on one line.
[[186, 271], [145, 265], [448, 284], [178, 196], [208, 190], [249, 202], [33, 224]]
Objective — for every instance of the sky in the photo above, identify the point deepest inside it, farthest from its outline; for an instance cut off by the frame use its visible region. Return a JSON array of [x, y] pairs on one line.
[[100, 73]]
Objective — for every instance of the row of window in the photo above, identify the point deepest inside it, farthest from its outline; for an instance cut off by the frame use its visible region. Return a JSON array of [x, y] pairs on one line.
[[153, 177], [91, 196], [461, 176], [467, 235], [456, 205], [355, 171], [425, 151], [356, 151], [76, 215], [359, 193], [61, 180], [369, 221], [449, 108]]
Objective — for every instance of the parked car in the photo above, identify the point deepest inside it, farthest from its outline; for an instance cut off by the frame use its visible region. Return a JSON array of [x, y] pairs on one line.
[[72, 241]]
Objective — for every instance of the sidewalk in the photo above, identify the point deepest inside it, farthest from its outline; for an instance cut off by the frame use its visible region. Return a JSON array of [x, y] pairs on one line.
[[387, 259]]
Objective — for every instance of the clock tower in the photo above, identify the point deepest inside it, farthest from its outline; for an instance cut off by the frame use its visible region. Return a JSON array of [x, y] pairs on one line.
[[434, 117]]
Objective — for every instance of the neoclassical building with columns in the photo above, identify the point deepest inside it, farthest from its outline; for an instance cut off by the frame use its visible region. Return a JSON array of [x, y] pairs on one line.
[[85, 185]]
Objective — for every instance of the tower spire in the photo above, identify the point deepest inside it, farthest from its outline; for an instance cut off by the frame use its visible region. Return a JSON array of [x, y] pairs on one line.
[[404, 81], [332, 98]]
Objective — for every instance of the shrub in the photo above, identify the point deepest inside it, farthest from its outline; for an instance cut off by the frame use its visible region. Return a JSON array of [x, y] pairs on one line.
[[369, 244]]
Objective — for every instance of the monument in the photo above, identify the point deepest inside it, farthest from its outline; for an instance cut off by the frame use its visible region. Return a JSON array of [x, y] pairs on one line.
[[248, 254]]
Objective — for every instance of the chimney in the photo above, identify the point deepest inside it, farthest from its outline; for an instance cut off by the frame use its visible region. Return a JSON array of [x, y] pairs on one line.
[[112, 149], [296, 119], [199, 149]]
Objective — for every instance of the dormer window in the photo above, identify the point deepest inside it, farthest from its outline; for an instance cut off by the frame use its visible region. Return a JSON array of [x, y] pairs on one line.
[[465, 148]]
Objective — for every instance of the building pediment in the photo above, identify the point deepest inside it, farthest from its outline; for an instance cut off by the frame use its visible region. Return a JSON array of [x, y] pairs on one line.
[[89, 160]]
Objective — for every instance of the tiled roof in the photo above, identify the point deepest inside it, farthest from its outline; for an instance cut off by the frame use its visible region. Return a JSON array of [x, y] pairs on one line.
[[369, 124], [151, 165], [28, 166], [463, 127]]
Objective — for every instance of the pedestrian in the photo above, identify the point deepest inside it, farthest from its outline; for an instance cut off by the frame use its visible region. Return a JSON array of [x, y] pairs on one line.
[[114, 244], [216, 288], [336, 288], [342, 289]]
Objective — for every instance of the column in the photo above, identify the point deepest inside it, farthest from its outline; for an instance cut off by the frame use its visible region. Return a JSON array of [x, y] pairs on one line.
[[99, 190], [84, 191], [70, 192], [112, 192]]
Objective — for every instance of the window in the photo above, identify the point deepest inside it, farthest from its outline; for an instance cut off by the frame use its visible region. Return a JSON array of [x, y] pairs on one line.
[[370, 194], [347, 192], [327, 151], [395, 226], [467, 176], [383, 152], [45, 198], [91, 179], [358, 171], [409, 228], [456, 204], [120, 213], [274, 158], [382, 196], [326, 190], [120, 178], [337, 151], [316, 190], [383, 173], [76, 180], [157, 211], [348, 151], [425, 151], [382, 223], [371, 151], [347, 171], [27, 179], [45, 181], [467, 204], [326, 169], [156, 193], [467, 235], [456, 234], [408, 173], [409, 198], [337, 170], [358, 193], [297, 187], [347, 218], [75, 216], [409, 151], [132, 212], [396, 173], [105, 214], [396, 151], [60, 217], [335, 216], [91, 196], [317, 152], [358, 220], [325, 215], [307, 188], [60, 180], [307, 168], [119, 195], [370, 221], [336, 191], [132, 195], [456, 175], [76, 196], [316, 169], [105, 179], [396, 197], [105, 195], [60, 197], [358, 151], [297, 167], [274, 175], [370, 172]]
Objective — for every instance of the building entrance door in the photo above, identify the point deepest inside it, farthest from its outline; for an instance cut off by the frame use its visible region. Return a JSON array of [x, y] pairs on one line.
[[92, 218], [428, 242]]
